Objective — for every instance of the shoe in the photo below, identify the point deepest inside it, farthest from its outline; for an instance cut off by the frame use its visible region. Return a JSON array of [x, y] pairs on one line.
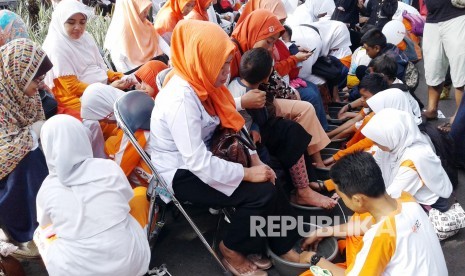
[[257, 272], [260, 261], [26, 250]]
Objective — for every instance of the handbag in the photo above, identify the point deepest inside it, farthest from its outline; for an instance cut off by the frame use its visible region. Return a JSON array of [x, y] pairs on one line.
[[448, 223], [416, 21], [232, 146], [458, 3], [9, 266], [325, 67]]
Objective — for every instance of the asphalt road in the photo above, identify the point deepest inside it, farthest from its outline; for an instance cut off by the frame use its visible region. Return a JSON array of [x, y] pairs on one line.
[[183, 253]]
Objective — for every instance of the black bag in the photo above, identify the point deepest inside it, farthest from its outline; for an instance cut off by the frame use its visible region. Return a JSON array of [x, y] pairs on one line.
[[326, 68], [49, 104], [232, 146]]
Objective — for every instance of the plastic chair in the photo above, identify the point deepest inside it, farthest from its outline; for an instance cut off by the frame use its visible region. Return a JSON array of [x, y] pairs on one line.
[[133, 111]]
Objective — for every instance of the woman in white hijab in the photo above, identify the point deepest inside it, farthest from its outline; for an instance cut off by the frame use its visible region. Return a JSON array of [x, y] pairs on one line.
[[75, 56], [97, 103], [311, 11], [407, 160], [85, 200], [394, 98]]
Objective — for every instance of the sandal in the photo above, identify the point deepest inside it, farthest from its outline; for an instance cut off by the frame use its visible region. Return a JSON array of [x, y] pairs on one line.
[[445, 128]]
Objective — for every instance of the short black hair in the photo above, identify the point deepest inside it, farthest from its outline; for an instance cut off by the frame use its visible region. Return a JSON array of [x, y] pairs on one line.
[[288, 30], [385, 65], [358, 173], [374, 83], [374, 37], [256, 65]]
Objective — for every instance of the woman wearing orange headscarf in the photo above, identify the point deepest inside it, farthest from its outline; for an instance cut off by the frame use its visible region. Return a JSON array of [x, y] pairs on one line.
[[262, 29], [170, 14], [187, 111], [274, 6], [200, 10], [131, 38]]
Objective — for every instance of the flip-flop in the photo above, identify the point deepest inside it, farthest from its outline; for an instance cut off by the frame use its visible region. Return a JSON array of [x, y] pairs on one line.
[[445, 128], [257, 272]]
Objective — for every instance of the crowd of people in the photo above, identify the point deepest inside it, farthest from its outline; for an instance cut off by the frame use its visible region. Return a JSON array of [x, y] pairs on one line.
[[73, 188]]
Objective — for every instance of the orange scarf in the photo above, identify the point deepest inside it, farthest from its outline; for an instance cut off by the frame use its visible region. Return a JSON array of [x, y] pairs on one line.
[[274, 6], [128, 34], [259, 25], [169, 15], [199, 12], [149, 71], [198, 59]]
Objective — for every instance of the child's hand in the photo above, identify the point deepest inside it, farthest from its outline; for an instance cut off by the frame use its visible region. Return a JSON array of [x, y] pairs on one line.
[[311, 242], [360, 3], [256, 137]]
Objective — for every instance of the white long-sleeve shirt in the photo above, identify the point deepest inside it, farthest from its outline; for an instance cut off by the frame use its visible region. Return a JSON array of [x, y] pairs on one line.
[[180, 133]]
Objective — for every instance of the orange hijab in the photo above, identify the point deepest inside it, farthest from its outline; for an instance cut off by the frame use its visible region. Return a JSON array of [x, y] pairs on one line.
[[169, 15], [199, 12], [274, 6], [198, 59], [149, 71], [258, 25], [131, 36]]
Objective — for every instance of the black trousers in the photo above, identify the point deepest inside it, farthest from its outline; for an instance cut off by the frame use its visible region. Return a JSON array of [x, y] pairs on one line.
[[249, 199]]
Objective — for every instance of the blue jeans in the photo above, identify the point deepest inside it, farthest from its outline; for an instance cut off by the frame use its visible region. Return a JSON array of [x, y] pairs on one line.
[[458, 133], [312, 95]]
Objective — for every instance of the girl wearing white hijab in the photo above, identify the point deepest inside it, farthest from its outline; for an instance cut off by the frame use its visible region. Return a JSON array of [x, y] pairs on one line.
[[311, 11], [407, 160], [394, 98], [85, 199], [75, 55], [97, 103]]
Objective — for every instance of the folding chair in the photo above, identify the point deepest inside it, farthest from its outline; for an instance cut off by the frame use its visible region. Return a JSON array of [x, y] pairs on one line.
[[133, 111]]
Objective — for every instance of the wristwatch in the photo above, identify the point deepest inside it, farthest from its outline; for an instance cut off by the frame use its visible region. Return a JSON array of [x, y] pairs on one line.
[[349, 107], [315, 259]]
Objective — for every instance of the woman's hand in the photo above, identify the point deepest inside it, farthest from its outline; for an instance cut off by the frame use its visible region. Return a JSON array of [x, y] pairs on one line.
[[259, 174], [303, 56], [253, 99], [121, 84]]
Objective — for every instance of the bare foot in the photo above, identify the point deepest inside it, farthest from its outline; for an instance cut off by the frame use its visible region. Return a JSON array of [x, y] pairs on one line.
[[237, 260], [291, 256], [309, 197]]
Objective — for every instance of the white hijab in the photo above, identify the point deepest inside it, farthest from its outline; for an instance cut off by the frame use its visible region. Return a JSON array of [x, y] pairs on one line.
[[98, 100], [308, 38], [83, 196], [392, 98], [309, 11], [97, 103], [72, 57], [334, 35], [398, 131]]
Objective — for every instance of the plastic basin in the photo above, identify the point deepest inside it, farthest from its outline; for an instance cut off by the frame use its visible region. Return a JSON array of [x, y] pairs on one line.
[[327, 248]]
